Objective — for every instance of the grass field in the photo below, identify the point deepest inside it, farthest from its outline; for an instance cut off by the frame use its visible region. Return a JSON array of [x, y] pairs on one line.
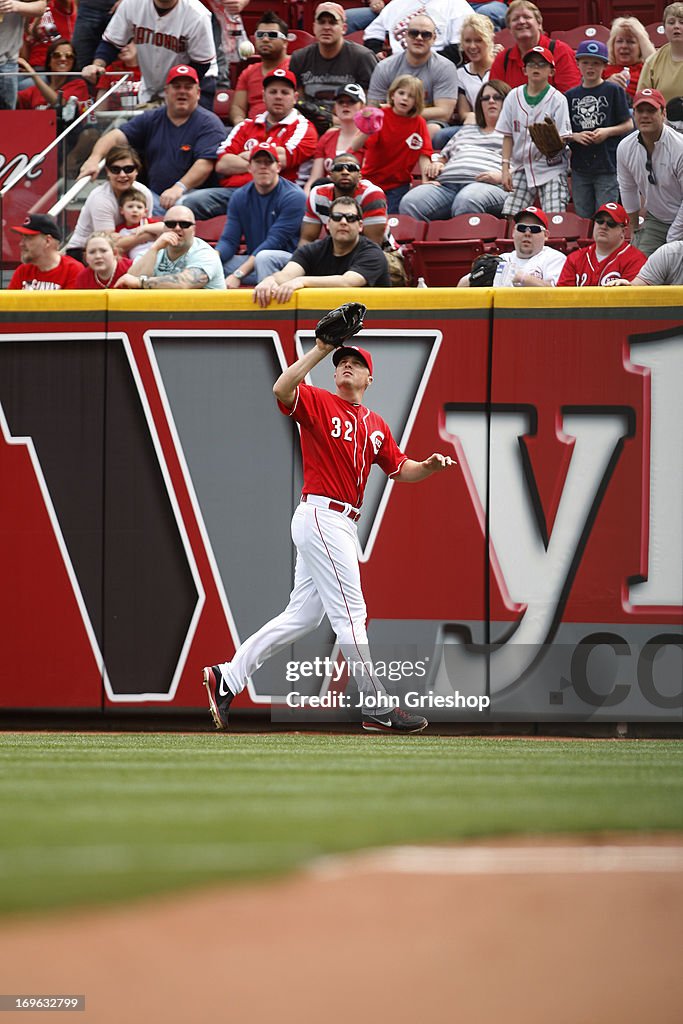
[[91, 818]]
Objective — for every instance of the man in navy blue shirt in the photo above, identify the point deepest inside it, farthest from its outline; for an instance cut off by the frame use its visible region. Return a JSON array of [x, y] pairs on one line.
[[177, 142], [268, 213]]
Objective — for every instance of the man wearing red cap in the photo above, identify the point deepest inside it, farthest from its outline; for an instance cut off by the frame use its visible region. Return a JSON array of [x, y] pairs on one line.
[[533, 264], [609, 258], [650, 173], [177, 142], [294, 136], [340, 441], [165, 33], [330, 62], [42, 268]]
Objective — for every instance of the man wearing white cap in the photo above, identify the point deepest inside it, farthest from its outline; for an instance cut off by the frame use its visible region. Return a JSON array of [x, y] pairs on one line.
[[165, 33], [330, 62]]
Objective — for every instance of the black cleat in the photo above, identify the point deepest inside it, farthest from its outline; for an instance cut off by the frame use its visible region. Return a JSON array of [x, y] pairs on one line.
[[396, 720], [219, 701]]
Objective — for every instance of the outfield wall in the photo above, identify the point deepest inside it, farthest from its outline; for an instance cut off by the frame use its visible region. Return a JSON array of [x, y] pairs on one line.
[[148, 481]]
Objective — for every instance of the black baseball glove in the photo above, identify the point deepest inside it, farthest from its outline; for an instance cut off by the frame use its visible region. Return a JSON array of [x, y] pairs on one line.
[[341, 323], [484, 270]]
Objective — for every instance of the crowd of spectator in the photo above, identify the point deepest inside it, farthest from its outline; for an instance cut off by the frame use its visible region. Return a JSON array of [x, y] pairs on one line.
[[425, 117]]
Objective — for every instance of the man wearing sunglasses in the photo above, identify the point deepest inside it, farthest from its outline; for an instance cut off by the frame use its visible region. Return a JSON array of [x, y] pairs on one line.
[[446, 15], [346, 181], [650, 174], [322, 68], [342, 260], [533, 264], [437, 74], [177, 259], [609, 258], [270, 42]]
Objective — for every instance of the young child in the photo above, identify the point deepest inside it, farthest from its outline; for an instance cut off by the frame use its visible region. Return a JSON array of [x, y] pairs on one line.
[[599, 116], [536, 179], [137, 232], [394, 143]]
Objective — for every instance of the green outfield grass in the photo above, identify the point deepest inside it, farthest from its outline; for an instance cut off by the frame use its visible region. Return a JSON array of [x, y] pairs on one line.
[[88, 818]]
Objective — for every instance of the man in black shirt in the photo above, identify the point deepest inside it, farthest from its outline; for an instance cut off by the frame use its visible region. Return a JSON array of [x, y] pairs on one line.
[[345, 259]]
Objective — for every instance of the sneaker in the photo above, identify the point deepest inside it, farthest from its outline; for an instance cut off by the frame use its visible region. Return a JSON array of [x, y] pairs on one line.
[[396, 720], [219, 702]]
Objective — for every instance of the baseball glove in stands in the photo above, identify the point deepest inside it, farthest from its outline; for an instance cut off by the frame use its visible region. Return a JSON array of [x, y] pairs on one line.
[[341, 323], [484, 270], [546, 137]]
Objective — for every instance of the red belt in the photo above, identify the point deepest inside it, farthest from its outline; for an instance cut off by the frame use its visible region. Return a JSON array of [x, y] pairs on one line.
[[334, 506]]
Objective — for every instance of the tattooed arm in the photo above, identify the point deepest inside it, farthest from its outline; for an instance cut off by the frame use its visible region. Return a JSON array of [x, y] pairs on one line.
[[191, 277]]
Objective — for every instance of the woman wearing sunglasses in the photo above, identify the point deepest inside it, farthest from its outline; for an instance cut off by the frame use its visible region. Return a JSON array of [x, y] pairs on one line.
[[56, 88], [101, 210], [467, 173]]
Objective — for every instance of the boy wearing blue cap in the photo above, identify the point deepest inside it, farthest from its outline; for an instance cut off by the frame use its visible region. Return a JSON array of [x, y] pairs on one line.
[[599, 115]]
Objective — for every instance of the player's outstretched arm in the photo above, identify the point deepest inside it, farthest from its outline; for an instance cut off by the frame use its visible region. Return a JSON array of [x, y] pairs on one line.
[[285, 386], [412, 472]]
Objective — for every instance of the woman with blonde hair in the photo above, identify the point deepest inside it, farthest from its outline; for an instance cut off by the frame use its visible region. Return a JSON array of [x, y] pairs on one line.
[[476, 45], [103, 268], [628, 47], [664, 69]]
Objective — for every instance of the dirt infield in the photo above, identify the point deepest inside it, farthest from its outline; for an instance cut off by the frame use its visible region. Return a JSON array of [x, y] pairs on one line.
[[524, 932]]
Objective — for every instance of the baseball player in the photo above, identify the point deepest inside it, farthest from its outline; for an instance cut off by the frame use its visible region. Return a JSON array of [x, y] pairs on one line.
[[340, 440], [165, 33]]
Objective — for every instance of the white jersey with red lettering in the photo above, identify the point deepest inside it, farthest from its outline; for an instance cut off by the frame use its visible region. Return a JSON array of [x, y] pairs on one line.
[[181, 35], [340, 441], [583, 269]]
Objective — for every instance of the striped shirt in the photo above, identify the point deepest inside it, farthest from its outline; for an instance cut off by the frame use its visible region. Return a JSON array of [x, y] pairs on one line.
[[471, 152], [373, 203]]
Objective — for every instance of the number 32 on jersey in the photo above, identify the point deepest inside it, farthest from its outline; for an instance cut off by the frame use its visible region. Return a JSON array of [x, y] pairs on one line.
[[337, 427]]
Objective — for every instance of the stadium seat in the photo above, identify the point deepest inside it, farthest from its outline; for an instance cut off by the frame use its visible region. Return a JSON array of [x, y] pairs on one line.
[[656, 33], [560, 16], [504, 38], [442, 264], [566, 231], [297, 39], [582, 33], [644, 10], [481, 227], [210, 230], [406, 229], [221, 104]]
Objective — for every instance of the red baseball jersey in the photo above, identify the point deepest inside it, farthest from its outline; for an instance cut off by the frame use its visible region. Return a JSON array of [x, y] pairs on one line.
[[339, 443], [391, 154], [294, 133], [583, 269], [29, 277]]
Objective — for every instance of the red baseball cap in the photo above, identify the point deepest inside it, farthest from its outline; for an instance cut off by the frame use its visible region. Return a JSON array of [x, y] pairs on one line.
[[182, 71], [616, 212], [353, 350], [536, 212], [269, 148], [281, 75], [651, 96], [540, 51]]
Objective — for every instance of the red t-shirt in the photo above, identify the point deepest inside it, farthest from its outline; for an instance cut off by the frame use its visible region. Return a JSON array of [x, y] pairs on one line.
[[251, 82], [339, 443], [328, 147], [88, 279], [33, 99], [391, 153], [29, 277], [54, 24], [635, 69], [584, 270]]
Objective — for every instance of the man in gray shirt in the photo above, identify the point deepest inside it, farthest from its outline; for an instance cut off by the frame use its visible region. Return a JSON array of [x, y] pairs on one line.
[[437, 73], [665, 266]]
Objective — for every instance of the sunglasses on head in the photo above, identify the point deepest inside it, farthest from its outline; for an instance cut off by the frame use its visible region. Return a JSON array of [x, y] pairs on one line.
[[261, 34], [350, 218], [417, 33], [178, 224], [121, 168], [346, 167], [535, 229], [607, 221]]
